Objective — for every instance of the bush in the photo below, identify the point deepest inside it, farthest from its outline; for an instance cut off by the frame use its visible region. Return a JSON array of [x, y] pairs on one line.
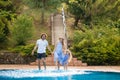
[[99, 46], [6, 15], [6, 5], [27, 50], [48, 52], [116, 24], [22, 30], [4, 31], [23, 50]]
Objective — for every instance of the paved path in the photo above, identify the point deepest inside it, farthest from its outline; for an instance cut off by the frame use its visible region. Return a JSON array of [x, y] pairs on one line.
[[57, 28]]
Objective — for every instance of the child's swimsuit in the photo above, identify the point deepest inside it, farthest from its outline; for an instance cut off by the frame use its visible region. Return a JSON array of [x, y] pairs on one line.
[[65, 59]]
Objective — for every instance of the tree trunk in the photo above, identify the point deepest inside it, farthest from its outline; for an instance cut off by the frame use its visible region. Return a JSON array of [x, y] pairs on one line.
[[76, 21], [42, 13], [80, 27], [91, 25], [42, 16]]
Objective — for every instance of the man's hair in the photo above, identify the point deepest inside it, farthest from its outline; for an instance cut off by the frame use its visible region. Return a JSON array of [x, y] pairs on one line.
[[43, 34]]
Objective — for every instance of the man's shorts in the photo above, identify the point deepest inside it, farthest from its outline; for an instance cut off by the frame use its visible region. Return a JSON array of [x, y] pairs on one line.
[[41, 55]]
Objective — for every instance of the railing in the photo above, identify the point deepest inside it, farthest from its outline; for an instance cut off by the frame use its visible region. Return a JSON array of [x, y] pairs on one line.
[[53, 36], [65, 31]]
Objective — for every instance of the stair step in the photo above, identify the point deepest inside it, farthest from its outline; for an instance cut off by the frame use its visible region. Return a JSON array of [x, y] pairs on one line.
[[84, 64], [49, 59], [50, 62], [74, 59]]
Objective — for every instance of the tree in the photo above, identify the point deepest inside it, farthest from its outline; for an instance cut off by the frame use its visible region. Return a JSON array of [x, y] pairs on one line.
[[81, 9], [109, 9], [87, 11], [43, 5], [3, 29], [22, 30], [6, 5], [6, 15]]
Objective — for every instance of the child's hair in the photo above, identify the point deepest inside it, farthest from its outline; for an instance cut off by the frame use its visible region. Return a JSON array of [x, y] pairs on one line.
[[68, 51], [63, 44]]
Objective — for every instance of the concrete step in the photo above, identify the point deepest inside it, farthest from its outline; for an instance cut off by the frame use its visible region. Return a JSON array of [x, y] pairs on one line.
[[50, 62], [47, 63], [84, 64], [49, 59]]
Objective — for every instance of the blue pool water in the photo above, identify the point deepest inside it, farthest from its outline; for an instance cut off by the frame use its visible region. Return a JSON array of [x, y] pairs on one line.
[[57, 75]]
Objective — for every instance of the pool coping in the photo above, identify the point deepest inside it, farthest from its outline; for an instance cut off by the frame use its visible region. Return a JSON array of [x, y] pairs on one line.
[[86, 68]]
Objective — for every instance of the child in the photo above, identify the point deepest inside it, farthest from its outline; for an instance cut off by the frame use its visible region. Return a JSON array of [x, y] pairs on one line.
[[66, 58]]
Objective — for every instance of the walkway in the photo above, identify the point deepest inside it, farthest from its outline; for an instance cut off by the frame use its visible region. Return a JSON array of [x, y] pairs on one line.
[[57, 28]]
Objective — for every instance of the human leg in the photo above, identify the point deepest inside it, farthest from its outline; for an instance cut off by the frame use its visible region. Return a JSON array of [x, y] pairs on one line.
[[44, 63], [39, 60], [39, 65], [58, 64], [66, 67], [55, 64], [43, 58]]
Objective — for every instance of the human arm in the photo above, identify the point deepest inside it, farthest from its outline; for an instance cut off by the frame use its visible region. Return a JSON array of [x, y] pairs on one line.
[[34, 49], [70, 58], [49, 49]]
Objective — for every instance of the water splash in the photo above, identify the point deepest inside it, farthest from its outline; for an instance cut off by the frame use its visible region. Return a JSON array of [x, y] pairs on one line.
[[40, 73]]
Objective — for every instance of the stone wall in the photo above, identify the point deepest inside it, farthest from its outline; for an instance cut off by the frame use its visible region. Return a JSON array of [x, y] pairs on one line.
[[15, 58]]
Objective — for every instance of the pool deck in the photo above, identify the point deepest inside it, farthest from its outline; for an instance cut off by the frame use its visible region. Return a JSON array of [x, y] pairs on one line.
[[90, 68]]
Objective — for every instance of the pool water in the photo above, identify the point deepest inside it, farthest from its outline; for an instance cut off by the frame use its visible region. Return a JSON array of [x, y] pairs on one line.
[[57, 75]]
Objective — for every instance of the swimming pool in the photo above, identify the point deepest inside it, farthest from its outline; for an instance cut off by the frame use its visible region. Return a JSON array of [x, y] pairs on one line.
[[13, 74]]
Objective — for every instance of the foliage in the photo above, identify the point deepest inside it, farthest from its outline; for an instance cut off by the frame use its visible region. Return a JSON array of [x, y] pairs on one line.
[[27, 50], [90, 11], [22, 29], [116, 24], [99, 46], [3, 29], [48, 52], [81, 10], [6, 5], [6, 15], [23, 50], [47, 4], [43, 5]]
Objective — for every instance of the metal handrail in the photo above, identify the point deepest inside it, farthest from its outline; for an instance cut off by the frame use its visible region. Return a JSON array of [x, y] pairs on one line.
[[65, 31], [53, 39]]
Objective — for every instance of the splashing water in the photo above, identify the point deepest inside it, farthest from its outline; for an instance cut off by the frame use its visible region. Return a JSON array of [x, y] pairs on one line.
[[57, 75]]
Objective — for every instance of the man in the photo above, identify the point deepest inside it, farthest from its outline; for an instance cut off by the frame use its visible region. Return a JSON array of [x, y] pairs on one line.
[[41, 46]]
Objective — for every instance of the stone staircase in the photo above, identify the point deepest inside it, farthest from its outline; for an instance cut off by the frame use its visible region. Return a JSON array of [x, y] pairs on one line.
[[57, 28], [50, 62]]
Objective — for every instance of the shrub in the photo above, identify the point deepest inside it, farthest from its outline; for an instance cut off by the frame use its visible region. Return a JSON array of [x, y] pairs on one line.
[[27, 50], [23, 50], [22, 30], [4, 31], [99, 46]]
